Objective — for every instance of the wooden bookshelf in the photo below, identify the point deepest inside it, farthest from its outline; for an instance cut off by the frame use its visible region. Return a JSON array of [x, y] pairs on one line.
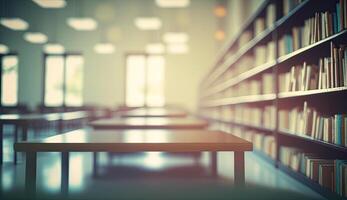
[[214, 93]]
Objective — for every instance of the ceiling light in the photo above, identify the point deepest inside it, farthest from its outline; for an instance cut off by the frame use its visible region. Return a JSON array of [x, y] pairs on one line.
[[51, 3], [180, 48], [35, 37], [54, 48], [82, 24], [16, 24], [148, 23], [155, 48], [172, 3], [3, 49], [220, 11], [104, 48], [175, 37]]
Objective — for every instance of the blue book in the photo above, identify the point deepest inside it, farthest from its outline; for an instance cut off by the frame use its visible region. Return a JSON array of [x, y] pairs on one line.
[[338, 174], [338, 21], [335, 23], [338, 129]]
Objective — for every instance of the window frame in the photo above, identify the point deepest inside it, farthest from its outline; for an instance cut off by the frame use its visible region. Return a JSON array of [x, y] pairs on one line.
[[11, 53], [146, 55], [64, 56]]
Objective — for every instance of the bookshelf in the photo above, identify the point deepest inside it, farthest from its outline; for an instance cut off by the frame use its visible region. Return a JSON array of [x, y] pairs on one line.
[[236, 81]]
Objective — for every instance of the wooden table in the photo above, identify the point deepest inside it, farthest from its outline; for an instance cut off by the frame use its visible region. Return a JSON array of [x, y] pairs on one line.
[[149, 123], [133, 141], [154, 112], [23, 121]]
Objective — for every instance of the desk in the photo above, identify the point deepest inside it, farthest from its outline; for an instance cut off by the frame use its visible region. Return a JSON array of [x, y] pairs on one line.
[[133, 141], [149, 123], [23, 121], [154, 112]]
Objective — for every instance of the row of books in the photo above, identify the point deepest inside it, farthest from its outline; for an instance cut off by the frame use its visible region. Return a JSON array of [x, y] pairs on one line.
[[262, 142], [309, 122], [255, 116], [316, 28], [330, 72], [262, 23], [264, 53], [329, 173]]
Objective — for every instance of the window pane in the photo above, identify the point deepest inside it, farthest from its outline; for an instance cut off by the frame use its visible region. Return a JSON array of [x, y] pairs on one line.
[[54, 80], [9, 96], [74, 81], [155, 81], [135, 80]]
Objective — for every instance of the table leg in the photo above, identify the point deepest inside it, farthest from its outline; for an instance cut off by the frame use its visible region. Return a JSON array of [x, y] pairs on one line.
[[15, 140], [25, 132], [239, 168], [65, 173], [30, 173], [95, 164], [214, 163], [1, 143]]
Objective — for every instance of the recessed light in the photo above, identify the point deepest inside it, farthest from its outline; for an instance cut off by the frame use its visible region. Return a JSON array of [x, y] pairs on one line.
[[175, 37], [155, 48], [82, 24], [3, 49], [35, 37], [148, 23], [50, 3], [54, 48], [180, 48], [16, 24], [104, 48], [172, 3]]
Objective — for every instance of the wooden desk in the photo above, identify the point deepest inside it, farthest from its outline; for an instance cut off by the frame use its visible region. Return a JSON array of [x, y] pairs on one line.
[[154, 112], [133, 141], [23, 121], [149, 123]]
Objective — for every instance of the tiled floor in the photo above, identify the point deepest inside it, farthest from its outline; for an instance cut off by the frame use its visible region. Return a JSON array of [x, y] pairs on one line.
[[138, 175]]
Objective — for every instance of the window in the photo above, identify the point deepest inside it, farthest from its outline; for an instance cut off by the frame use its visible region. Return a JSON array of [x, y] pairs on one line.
[[63, 80], [145, 80], [9, 80]]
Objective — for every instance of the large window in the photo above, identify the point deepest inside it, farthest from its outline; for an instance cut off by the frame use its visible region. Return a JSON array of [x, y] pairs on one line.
[[145, 80], [63, 80], [9, 80]]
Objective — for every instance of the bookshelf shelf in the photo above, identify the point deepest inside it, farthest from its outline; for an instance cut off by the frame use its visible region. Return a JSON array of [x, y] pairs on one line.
[[240, 100], [216, 97], [265, 157], [311, 140], [284, 95]]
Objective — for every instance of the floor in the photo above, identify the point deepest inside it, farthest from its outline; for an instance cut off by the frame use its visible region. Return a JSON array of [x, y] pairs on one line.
[[151, 175]]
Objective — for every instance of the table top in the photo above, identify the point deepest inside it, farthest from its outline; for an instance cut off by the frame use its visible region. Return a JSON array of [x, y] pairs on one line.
[[154, 112], [83, 140], [43, 116], [149, 123]]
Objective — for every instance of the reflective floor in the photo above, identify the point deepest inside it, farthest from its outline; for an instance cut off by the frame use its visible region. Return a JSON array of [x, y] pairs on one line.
[[142, 175]]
